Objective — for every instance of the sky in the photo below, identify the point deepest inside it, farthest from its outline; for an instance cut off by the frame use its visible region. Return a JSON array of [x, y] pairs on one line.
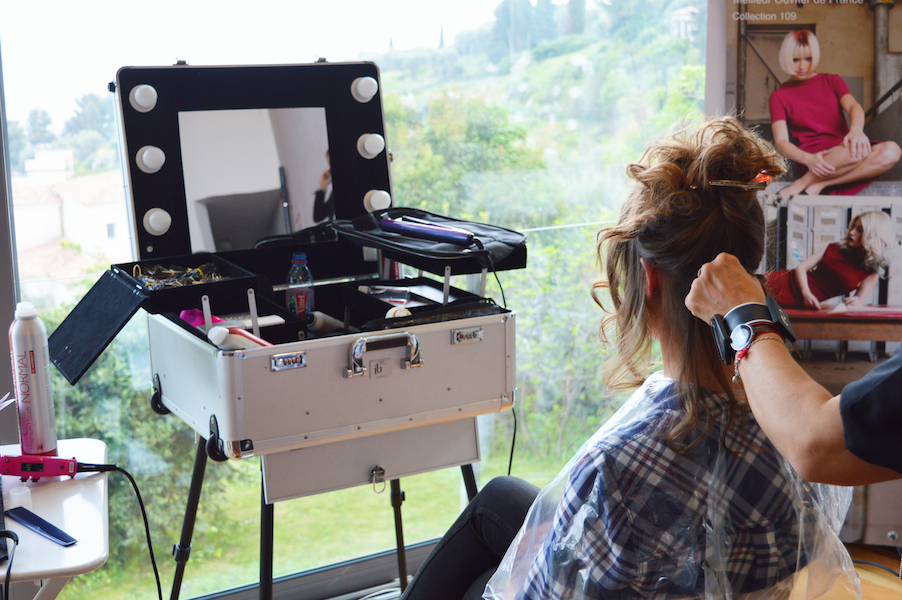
[[54, 51]]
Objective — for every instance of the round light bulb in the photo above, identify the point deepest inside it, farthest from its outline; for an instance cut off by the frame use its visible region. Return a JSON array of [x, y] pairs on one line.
[[157, 221], [364, 89], [370, 145], [376, 200], [143, 98], [150, 159]]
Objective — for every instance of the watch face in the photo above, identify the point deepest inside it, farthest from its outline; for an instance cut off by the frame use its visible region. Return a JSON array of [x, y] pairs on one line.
[[741, 337]]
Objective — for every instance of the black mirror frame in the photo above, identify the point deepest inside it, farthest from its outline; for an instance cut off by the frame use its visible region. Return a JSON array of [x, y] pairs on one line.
[[186, 88]]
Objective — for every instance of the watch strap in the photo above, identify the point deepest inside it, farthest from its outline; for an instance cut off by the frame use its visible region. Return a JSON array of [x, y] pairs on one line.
[[750, 312]]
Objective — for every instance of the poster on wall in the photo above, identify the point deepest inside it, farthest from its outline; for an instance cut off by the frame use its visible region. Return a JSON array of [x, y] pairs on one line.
[[822, 79]]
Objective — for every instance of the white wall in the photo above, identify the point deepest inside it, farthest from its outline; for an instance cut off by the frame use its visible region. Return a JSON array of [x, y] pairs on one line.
[[224, 152], [86, 225], [301, 138], [37, 224]]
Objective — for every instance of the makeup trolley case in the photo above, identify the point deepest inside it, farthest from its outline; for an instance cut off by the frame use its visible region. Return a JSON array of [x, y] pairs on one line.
[[220, 162]]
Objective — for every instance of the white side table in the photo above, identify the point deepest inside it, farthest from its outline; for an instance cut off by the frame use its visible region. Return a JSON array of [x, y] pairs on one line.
[[78, 506]]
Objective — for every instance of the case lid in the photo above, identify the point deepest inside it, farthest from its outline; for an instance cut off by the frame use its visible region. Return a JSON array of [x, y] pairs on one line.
[[218, 158], [93, 324]]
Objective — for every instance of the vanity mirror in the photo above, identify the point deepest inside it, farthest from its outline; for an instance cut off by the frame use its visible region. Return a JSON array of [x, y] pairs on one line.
[[219, 158]]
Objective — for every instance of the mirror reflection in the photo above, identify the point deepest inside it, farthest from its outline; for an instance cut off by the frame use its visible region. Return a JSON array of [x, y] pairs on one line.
[[254, 173]]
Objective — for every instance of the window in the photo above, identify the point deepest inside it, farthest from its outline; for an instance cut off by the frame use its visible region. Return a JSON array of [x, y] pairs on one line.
[[515, 112]]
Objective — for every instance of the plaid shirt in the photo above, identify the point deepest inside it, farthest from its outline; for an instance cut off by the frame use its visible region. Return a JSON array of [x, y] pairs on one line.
[[638, 520]]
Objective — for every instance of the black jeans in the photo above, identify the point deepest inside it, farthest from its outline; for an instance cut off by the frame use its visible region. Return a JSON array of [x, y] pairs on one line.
[[476, 542]]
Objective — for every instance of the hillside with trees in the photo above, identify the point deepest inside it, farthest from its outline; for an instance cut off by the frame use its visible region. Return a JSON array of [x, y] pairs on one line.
[[526, 122]]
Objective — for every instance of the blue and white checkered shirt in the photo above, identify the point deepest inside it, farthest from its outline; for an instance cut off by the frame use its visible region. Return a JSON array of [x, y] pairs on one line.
[[638, 520]]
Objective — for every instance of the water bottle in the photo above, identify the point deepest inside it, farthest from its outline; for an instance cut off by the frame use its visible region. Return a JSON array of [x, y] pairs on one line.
[[31, 376], [299, 295]]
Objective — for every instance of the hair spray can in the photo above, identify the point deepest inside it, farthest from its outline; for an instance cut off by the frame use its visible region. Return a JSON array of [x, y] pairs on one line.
[[31, 375]]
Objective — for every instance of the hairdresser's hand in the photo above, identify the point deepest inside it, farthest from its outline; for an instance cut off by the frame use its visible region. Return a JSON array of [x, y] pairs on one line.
[[818, 165], [811, 300], [857, 143], [721, 285]]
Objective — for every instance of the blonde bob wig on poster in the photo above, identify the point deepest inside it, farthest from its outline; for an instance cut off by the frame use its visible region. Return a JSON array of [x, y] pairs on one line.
[[804, 41]]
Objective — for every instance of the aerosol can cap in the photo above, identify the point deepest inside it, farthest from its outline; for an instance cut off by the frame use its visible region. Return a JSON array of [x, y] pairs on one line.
[[25, 310]]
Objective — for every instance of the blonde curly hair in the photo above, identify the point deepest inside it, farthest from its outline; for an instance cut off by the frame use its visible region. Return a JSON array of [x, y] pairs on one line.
[[877, 240], [676, 220]]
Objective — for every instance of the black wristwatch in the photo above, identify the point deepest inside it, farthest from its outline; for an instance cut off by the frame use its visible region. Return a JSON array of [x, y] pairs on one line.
[[735, 331]]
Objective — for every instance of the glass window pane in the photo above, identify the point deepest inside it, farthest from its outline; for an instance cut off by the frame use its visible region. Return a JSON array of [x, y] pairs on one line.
[[521, 113]]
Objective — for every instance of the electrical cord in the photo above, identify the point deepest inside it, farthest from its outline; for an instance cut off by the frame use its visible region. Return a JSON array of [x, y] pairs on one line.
[[873, 564], [491, 267], [95, 468], [10, 535], [510, 462]]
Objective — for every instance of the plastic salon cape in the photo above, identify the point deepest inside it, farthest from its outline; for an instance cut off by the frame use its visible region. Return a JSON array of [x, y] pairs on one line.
[[629, 518]]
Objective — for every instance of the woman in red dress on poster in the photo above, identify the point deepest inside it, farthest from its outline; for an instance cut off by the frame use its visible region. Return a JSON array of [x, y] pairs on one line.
[[811, 107], [854, 264]]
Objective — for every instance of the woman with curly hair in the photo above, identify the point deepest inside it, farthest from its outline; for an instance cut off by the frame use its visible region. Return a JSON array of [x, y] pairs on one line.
[[850, 267], [679, 494]]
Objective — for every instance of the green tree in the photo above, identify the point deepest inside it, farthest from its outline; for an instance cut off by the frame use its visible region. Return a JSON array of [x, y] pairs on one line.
[[511, 31], [684, 98], [544, 26], [18, 143], [91, 135], [459, 137], [38, 127], [576, 16], [93, 113]]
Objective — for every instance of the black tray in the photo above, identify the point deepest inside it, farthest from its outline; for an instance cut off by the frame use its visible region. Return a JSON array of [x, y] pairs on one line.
[[227, 295], [497, 249]]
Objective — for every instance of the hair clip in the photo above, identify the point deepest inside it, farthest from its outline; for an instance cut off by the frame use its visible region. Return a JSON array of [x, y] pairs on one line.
[[758, 183]]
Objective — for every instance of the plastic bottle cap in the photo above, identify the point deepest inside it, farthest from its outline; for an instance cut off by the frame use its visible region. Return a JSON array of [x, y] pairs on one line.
[[20, 496], [25, 310]]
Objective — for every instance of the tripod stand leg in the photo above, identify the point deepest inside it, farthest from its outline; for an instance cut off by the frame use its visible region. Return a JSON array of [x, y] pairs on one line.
[[267, 521], [397, 497], [469, 481], [182, 550]]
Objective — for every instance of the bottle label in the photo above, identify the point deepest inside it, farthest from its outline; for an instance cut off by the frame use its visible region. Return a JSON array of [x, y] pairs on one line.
[[298, 301], [37, 425]]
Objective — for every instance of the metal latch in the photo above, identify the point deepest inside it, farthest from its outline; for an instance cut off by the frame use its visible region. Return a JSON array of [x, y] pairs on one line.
[[288, 360], [377, 476]]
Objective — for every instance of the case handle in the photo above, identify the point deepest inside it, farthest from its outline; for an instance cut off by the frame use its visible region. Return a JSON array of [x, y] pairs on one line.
[[381, 342]]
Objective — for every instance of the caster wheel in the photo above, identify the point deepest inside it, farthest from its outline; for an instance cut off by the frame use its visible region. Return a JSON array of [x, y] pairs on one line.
[[156, 403], [214, 451]]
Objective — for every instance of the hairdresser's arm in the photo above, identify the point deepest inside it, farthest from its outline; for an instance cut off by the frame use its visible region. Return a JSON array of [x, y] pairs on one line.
[[801, 275], [800, 417], [863, 290], [815, 162]]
